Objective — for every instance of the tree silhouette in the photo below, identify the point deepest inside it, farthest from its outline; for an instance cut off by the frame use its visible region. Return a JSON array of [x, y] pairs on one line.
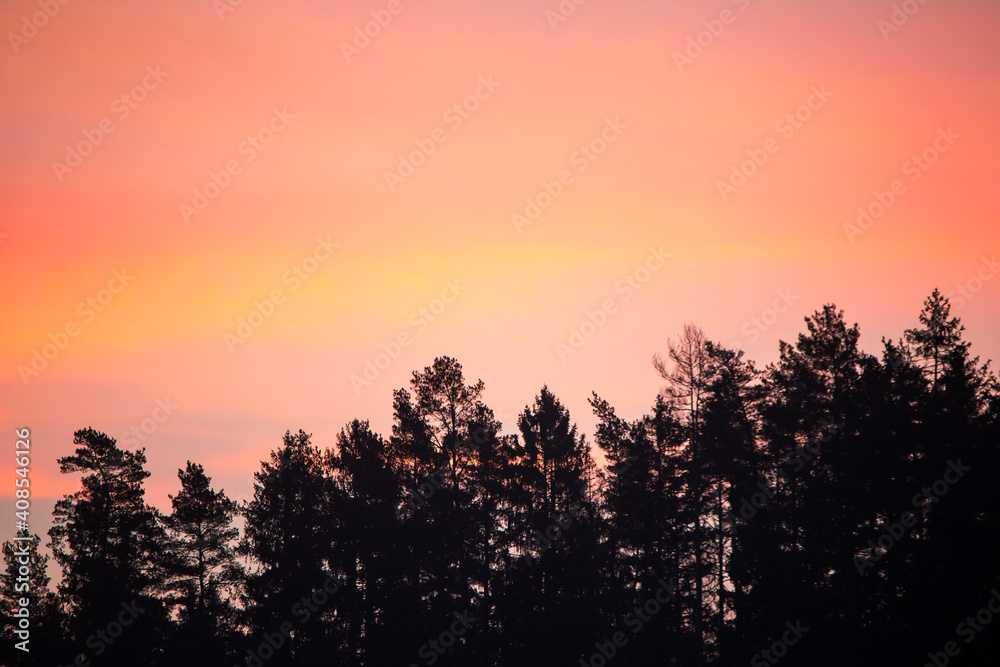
[[205, 572], [287, 539], [553, 585], [938, 338], [648, 528], [108, 542], [439, 423], [368, 546], [42, 641], [839, 496]]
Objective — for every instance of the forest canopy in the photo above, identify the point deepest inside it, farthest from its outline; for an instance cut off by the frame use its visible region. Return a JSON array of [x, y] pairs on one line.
[[835, 507]]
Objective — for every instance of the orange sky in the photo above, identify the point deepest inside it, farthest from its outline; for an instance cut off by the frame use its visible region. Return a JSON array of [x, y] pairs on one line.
[[267, 93]]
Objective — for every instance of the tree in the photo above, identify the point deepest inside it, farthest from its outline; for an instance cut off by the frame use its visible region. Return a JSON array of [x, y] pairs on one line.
[[957, 433], [447, 406], [556, 533], [687, 381], [497, 485], [440, 427], [836, 491], [561, 470], [647, 530], [938, 338], [32, 633], [686, 372], [108, 542], [288, 538], [368, 547], [813, 421], [731, 464], [205, 573]]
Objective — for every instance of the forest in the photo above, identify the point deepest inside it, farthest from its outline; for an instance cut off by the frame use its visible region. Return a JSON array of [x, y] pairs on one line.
[[833, 508]]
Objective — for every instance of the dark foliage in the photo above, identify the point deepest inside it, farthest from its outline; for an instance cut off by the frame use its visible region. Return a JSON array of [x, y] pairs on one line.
[[835, 508]]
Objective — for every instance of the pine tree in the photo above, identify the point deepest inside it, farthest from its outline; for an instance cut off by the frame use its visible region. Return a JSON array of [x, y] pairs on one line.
[[952, 551], [648, 531], [287, 538], [108, 542], [937, 338], [436, 425], [812, 420], [205, 573], [732, 463], [557, 576], [686, 372], [33, 636], [368, 547]]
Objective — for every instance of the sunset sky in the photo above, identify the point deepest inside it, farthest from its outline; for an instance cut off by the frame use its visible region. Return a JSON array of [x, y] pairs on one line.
[[170, 168]]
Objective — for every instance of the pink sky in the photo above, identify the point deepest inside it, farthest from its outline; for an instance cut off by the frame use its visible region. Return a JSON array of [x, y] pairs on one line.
[[669, 138]]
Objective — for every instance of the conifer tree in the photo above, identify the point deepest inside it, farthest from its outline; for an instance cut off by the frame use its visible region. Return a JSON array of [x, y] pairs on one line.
[[108, 542], [287, 538], [206, 574], [31, 634]]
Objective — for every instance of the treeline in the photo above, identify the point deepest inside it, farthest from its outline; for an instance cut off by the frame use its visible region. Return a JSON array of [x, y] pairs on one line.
[[834, 508]]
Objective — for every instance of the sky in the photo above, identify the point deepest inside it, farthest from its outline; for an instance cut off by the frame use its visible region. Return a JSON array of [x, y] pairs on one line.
[[222, 220]]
